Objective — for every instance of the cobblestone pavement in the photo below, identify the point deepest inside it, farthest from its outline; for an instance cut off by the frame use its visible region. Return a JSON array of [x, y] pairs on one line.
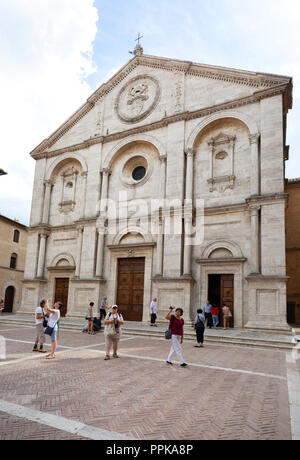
[[226, 392]]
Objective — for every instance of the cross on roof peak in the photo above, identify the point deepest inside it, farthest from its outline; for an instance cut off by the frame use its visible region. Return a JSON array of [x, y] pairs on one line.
[[139, 38]]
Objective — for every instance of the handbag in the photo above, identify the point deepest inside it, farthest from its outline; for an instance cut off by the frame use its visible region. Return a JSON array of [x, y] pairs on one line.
[[111, 330], [49, 330], [168, 333]]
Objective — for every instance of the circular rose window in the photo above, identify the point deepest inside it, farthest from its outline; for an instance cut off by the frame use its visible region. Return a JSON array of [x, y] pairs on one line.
[[136, 171], [139, 173]]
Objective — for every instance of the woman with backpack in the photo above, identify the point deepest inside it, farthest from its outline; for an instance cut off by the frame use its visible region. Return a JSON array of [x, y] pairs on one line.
[[112, 332], [199, 328]]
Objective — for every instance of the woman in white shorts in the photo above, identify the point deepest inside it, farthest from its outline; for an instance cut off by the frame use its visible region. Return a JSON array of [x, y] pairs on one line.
[[53, 322]]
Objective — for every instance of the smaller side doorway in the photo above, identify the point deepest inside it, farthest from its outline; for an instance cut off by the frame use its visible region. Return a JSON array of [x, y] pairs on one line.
[[221, 292], [62, 294], [9, 299]]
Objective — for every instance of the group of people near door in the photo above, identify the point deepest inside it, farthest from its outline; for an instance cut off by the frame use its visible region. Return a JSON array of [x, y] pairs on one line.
[[47, 317]]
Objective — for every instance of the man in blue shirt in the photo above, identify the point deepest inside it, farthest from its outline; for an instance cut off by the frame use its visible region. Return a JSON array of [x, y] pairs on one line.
[[207, 312]]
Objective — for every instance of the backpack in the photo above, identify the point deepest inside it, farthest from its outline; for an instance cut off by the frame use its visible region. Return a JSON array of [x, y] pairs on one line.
[[199, 326]]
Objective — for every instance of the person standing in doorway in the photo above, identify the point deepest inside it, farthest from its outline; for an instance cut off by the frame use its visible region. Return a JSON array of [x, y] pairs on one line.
[[54, 317], [176, 326], [40, 317], [207, 312], [153, 312], [215, 315], [200, 328], [226, 316]]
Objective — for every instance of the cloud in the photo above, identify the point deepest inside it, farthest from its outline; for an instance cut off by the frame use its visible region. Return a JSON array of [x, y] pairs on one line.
[[46, 53]]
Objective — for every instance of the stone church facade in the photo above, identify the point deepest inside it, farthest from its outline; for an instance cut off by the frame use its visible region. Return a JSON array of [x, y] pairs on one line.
[[166, 145]]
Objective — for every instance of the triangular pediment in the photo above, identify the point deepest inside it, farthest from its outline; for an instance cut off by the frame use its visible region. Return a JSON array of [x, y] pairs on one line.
[[257, 82]]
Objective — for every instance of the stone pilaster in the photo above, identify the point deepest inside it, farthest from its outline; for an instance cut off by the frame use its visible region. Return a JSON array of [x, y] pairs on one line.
[[47, 201], [159, 255], [255, 252], [42, 254], [80, 231], [104, 192], [163, 170], [100, 250], [84, 184], [189, 174], [255, 169]]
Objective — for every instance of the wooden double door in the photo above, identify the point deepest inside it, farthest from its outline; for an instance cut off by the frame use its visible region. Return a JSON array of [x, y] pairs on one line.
[[221, 292], [130, 295], [62, 294]]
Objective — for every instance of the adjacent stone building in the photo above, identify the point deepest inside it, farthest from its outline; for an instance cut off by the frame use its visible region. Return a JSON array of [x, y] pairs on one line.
[[13, 242], [208, 140], [293, 250]]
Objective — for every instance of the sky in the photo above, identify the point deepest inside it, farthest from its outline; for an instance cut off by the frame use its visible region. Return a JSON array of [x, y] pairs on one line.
[[55, 53]]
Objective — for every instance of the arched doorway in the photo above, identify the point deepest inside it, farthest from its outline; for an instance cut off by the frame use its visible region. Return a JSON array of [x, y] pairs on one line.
[[9, 299]]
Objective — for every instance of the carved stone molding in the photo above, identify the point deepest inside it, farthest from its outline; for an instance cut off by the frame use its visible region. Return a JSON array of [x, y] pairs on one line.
[[41, 151], [274, 83], [137, 99], [222, 175], [66, 207], [254, 138]]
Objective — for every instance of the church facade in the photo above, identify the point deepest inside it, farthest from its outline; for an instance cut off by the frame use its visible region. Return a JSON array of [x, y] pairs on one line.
[[168, 182]]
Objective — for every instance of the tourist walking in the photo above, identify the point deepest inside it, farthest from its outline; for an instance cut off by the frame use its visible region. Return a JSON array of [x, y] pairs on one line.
[[227, 315], [200, 328], [153, 312], [215, 315], [207, 312], [103, 307], [113, 322], [90, 318], [53, 324], [176, 326], [40, 324], [1, 306]]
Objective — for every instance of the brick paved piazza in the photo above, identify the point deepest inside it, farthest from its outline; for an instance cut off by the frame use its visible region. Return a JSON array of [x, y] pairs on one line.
[[225, 393]]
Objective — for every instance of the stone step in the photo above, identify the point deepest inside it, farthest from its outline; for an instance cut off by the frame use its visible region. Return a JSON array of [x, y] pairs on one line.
[[143, 330]]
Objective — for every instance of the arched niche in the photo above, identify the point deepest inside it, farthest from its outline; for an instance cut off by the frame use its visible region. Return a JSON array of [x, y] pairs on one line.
[[222, 249], [65, 161], [63, 260], [248, 121]]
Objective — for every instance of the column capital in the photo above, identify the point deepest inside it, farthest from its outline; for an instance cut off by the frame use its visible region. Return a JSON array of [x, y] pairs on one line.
[[254, 208], [44, 234], [84, 174], [163, 158], [100, 230], [80, 229], [190, 152], [48, 183], [106, 171], [254, 138]]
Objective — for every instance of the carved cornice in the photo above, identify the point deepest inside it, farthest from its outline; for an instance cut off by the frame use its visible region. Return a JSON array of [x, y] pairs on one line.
[[185, 116], [256, 80]]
